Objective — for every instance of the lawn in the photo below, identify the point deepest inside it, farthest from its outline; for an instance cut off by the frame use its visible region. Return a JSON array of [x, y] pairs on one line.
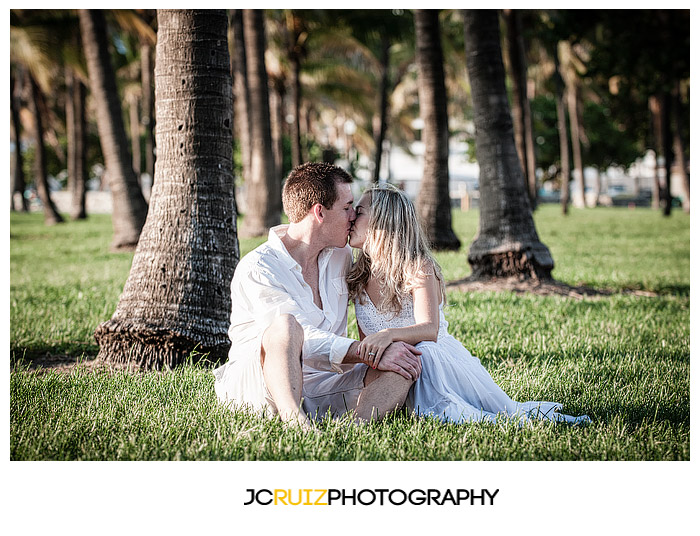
[[622, 358]]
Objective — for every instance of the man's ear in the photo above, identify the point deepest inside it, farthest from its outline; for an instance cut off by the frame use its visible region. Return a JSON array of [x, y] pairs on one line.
[[318, 212]]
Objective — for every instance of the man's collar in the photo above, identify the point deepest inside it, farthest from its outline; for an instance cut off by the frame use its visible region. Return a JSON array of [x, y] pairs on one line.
[[275, 241]]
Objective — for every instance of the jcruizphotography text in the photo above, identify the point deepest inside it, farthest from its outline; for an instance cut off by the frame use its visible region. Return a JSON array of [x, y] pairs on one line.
[[367, 497]]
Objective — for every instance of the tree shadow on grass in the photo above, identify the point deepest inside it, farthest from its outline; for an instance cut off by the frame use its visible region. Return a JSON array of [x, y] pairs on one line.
[[552, 287], [45, 359]]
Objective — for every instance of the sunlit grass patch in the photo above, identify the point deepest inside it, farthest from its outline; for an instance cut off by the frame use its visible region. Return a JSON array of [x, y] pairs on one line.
[[623, 359]]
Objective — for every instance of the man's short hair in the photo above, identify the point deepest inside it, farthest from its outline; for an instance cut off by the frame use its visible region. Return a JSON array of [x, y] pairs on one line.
[[308, 184]]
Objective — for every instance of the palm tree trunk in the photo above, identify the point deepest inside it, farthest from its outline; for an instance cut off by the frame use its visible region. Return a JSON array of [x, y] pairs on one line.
[[75, 130], [522, 117], [241, 91], [176, 301], [128, 204], [655, 113], [276, 125], [380, 129], [433, 203], [678, 144], [135, 125], [572, 103], [571, 97], [667, 147], [295, 126], [147, 108], [564, 170], [507, 244], [51, 215], [18, 182], [78, 210], [294, 58], [596, 188], [264, 189]]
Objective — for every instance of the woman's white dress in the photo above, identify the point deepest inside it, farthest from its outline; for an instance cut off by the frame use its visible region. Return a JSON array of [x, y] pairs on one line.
[[453, 385]]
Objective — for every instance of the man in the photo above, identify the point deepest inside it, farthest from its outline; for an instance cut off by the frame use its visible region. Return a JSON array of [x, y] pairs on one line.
[[289, 316]]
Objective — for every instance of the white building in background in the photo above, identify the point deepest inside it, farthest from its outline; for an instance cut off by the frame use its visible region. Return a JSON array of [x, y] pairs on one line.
[[406, 170]]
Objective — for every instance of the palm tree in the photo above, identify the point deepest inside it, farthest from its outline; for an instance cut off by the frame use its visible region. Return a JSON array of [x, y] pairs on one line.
[[128, 204], [433, 203], [36, 105], [264, 188], [384, 34], [176, 301], [562, 129], [507, 243], [296, 35], [18, 182], [147, 42], [35, 42], [522, 118], [569, 71], [76, 134], [678, 143], [240, 90], [335, 85]]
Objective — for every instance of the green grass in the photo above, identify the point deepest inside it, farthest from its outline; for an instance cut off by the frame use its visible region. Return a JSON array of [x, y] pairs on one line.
[[623, 359]]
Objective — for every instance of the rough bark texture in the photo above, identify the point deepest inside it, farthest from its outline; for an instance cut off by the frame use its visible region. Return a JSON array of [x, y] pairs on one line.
[[433, 205], [51, 215], [264, 189], [128, 204], [176, 302], [507, 244]]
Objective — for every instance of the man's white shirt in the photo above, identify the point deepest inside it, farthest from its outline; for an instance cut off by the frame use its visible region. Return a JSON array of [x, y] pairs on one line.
[[268, 283]]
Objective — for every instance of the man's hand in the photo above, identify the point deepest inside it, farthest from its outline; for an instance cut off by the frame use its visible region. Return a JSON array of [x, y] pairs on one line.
[[403, 359]]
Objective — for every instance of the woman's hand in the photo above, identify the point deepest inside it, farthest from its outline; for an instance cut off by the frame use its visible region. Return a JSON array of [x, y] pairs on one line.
[[372, 347]]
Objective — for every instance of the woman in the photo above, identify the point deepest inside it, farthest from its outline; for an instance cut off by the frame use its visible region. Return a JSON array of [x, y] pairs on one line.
[[398, 290]]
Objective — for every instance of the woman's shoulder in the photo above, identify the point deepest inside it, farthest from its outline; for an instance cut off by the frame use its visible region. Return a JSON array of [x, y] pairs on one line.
[[427, 273]]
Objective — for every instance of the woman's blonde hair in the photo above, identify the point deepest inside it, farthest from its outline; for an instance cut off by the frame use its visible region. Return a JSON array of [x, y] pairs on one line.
[[396, 251]]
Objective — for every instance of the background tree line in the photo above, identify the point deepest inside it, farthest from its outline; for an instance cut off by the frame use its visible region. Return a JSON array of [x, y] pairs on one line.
[[612, 83], [532, 92]]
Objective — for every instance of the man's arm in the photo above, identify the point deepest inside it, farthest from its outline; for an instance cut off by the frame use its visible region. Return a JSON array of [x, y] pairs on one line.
[[268, 298], [399, 357]]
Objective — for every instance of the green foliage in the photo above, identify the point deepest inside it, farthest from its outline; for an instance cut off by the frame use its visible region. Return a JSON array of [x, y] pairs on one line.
[[623, 359], [544, 132], [608, 142]]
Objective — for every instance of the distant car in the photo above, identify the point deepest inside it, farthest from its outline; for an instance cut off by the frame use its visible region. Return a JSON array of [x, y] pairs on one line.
[[616, 190]]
